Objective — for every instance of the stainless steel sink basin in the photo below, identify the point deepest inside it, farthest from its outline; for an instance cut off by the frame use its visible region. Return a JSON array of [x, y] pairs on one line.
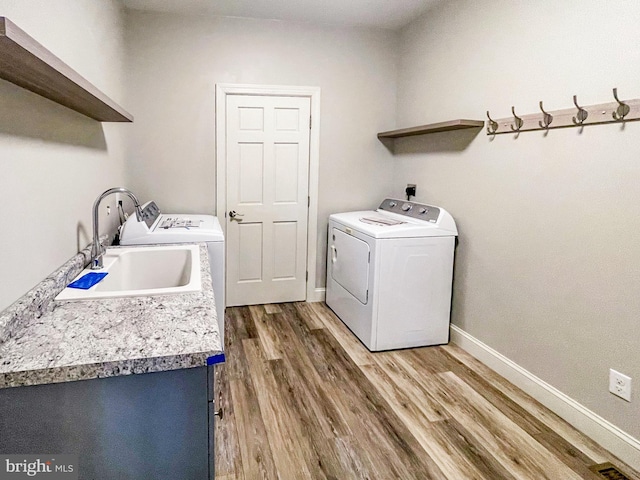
[[143, 271]]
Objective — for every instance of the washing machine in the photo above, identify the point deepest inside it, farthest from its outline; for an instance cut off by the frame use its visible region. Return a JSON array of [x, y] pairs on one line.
[[162, 228], [390, 272]]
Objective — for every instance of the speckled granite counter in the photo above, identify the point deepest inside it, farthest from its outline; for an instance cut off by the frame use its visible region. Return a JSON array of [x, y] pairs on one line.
[[80, 340]]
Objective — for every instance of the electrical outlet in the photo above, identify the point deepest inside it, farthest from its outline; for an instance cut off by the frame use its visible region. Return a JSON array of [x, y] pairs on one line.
[[410, 190], [620, 384]]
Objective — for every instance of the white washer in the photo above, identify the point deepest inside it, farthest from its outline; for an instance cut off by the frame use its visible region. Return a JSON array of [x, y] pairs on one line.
[[389, 273], [162, 228]]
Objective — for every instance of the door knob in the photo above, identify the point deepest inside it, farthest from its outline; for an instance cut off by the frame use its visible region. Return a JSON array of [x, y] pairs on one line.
[[233, 214]]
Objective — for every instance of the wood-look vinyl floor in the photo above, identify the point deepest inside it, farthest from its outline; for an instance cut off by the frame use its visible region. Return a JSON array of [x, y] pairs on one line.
[[304, 399]]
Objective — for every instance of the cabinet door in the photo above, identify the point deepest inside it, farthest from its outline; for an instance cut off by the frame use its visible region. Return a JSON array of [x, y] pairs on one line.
[[136, 427]]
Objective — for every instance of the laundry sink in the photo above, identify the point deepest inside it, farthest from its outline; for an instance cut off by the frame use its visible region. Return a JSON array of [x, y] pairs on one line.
[[143, 271]]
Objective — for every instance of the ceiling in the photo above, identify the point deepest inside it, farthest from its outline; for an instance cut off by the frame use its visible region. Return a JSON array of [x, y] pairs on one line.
[[390, 14]]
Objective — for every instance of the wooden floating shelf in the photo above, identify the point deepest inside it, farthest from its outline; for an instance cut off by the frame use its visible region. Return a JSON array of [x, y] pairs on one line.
[[433, 128], [597, 115], [28, 64]]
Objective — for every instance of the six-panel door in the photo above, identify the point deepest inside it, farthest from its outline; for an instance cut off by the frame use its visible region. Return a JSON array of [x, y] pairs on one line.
[[267, 164]]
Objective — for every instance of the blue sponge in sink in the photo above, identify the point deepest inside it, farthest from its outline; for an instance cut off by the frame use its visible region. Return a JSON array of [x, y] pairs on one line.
[[87, 281]]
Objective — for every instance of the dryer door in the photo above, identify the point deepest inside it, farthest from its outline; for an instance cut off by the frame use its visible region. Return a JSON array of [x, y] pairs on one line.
[[350, 264]]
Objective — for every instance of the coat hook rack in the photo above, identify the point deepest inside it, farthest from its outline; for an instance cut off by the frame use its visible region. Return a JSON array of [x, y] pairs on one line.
[[492, 126], [622, 110], [547, 118], [582, 114], [575, 116], [517, 120]]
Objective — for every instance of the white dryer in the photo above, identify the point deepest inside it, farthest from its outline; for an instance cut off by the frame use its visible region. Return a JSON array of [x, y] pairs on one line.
[[161, 228], [389, 273]]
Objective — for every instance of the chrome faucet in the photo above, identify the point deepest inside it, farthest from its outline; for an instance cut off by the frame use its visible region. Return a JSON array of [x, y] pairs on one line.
[[97, 250]]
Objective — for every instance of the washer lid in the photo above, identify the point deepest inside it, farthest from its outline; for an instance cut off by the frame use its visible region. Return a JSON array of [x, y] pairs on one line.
[[390, 225], [179, 227], [188, 229]]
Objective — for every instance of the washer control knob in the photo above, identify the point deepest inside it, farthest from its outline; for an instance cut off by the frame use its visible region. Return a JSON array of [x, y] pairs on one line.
[[423, 210], [392, 204], [406, 207]]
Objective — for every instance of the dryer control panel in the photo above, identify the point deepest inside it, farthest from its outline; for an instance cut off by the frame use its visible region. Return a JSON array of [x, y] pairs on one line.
[[428, 213]]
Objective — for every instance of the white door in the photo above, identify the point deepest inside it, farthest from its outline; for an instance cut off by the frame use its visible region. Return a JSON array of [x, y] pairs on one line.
[[267, 165]]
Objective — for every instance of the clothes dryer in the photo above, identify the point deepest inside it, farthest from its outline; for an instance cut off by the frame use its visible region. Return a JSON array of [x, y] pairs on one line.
[[389, 273]]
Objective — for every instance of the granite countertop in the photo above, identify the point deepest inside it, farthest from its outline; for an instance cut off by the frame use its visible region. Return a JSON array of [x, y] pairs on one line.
[[86, 339]]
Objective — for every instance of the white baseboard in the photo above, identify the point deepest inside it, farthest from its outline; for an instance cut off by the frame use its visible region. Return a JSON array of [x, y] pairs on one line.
[[318, 295], [618, 442]]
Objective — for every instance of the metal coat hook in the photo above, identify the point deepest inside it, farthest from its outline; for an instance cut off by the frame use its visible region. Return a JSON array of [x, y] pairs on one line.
[[492, 127], [546, 119], [622, 110], [582, 113], [517, 120]]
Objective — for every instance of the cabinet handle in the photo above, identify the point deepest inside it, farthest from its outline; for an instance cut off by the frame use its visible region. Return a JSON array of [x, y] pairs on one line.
[[219, 413]]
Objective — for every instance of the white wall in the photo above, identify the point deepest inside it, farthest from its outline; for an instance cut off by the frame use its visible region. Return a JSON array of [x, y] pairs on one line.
[[547, 265], [55, 162], [174, 63]]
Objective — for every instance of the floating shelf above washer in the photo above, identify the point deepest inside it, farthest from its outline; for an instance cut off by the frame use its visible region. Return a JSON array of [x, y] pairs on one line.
[[458, 124], [28, 64]]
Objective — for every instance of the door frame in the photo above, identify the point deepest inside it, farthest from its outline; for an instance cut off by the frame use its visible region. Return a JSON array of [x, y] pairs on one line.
[[313, 93]]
